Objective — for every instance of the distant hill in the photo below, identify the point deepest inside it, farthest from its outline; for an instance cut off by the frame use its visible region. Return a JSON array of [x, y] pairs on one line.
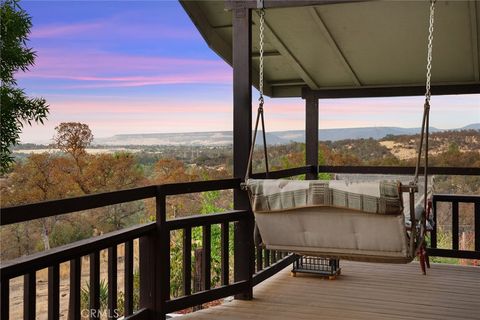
[[189, 138], [473, 126], [350, 133], [274, 138]]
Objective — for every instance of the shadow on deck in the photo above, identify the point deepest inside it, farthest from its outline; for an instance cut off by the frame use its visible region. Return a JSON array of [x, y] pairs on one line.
[[363, 291]]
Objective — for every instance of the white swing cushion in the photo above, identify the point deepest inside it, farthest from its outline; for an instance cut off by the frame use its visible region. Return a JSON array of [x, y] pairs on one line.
[[354, 221]]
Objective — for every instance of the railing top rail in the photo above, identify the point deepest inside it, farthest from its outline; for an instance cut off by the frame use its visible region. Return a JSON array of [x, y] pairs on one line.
[[399, 170], [204, 219], [456, 198], [44, 259], [171, 189], [285, 173], [50, 208], [27, 212], [224, 184]]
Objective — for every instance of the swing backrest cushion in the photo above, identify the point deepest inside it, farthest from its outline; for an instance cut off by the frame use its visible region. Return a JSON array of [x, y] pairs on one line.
[[384, 197]]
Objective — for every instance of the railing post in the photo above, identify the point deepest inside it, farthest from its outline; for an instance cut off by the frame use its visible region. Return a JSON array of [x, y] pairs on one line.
[[94, 288], [162, 255], [148, 275], [53, 292], [155, 263], [206, 259], [225, 254], [29, 296], [5, 299], [433, 233], [311, 132], [455, 225], [187, 261], [128, 278], [242, 137], [477, 225], [75, 283], [113, 276], [198, 280]]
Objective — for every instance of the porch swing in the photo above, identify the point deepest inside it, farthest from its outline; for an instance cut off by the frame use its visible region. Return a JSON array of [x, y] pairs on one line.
[[360, 221]]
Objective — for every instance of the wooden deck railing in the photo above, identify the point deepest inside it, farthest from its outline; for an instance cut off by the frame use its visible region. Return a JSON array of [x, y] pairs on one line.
[[456, 251], [154, 253], [28, 266], [433, 250], [387, 170]]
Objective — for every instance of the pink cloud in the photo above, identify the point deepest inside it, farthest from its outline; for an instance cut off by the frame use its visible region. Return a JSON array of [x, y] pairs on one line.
[[59, 30], [97, 69], [88, 60], [155, 32], [218, 78], [147, 108], [110, 28]]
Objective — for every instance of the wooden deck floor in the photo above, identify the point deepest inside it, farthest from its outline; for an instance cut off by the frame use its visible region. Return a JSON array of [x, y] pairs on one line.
[[363, 291]]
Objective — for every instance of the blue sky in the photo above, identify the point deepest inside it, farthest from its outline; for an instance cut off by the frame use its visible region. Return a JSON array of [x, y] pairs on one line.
[[141, 66]]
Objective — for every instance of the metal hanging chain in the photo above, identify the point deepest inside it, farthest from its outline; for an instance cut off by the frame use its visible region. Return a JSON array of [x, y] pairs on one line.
[[261, 102], [260, 67], [260, 86], [424, 137], [429, 50], [426, 108]]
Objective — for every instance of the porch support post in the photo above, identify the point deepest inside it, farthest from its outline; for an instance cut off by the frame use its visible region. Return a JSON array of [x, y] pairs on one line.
[[242, 137], [311, 133]]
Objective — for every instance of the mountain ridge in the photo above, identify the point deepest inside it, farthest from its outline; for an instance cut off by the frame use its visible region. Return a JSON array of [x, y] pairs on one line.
[[218, 138]]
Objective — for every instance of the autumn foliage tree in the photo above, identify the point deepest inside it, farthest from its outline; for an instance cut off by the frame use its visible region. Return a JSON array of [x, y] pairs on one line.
[[73, 138], [50, 176], [110, 172], [39, 178], [171, 170]]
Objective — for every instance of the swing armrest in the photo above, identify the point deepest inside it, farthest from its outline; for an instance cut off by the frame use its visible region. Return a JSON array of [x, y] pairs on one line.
[[407, 188]]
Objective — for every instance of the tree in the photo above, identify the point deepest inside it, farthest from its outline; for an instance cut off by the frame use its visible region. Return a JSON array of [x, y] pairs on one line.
[[39, 178], [47, 176], [171, 171], [17, 109], [73, 138], [109, 172]]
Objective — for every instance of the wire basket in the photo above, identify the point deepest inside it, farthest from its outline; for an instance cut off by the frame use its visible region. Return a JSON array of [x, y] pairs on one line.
[[323, 266]]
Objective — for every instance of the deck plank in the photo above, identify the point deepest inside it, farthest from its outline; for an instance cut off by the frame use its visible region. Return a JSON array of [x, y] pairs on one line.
[[363, 291]]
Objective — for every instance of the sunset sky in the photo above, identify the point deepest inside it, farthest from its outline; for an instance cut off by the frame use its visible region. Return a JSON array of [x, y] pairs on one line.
[[142, 67]]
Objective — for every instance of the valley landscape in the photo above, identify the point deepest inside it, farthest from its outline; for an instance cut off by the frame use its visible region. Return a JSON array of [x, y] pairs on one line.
[[45, 171]]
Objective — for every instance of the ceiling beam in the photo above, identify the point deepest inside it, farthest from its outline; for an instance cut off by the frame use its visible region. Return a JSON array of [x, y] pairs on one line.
[[282, 48], [333, 44], [377, 92], [256, 55], [474, 32], [224, 26], [252, 4], [290, 91], [289, 82]]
